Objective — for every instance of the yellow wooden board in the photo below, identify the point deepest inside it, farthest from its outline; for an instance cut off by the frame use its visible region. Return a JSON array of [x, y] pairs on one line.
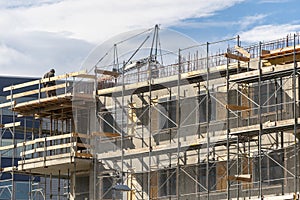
[[22, 94], [236, 57], [45, 80], [242, 51]]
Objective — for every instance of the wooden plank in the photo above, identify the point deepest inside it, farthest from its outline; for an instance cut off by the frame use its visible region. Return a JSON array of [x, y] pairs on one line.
[[280, 52], [22, 94], [45, 80], [81, 135], [41, 159], [83, 155], [48, 148], [221, 175], [7, 147], [106, 72], [264, 52], [283, 59], [236, 57], [50, 138], [242, 177], [43, 100], [8, 169], [106, 134], [9, 125], [242, 51], [236, 107], [88, 76], [8, 104]]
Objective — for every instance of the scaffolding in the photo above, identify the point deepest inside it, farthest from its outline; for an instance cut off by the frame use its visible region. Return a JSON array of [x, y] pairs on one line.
[[166, 123]]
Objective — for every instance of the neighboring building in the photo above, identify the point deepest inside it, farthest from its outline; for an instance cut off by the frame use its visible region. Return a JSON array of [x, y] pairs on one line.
[[195, 125], [9, 135], [15, 184]]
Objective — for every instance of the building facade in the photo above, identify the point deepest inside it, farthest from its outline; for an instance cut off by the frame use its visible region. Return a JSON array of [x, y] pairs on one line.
[[178, 123]]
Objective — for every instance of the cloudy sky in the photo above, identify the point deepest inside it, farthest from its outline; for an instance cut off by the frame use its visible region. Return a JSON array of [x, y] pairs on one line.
[[40, 34]]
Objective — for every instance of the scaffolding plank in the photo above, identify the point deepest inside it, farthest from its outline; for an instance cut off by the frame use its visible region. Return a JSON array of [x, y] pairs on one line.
[[242, 51], [283, 59], [267, 72], [13, 124], [7, 147], [264, 52], [268, 127], [106, 72], [22, 94], [281, 51], [42, 159], [106, 134], [170, 81], [48, 148], [83, 155], [241, 177], [45, 80], [88, 76], [8, 104], [81, 135], [162, 148], [44, 100], [236, 57], [49, 138], [8, 169]]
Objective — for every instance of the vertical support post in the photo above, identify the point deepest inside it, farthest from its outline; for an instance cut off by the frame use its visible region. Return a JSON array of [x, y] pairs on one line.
[[260, 195], [276, 110], [122, 126], [45, 187], [30, 187], [249, 165], [238, 160], [13, 191], [150, 129], [295, 117], [281, 132], [93, 142], [228, 130], [58, 189], [51, 194], [178, 115], [68, 186], [40, 93], [298, 105], [207, 120]]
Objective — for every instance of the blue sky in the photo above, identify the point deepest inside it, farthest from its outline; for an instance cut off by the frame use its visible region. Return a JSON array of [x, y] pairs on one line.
[[40, 34]]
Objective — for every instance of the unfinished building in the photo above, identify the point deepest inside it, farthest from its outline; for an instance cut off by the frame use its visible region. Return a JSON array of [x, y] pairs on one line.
[[182, 121]]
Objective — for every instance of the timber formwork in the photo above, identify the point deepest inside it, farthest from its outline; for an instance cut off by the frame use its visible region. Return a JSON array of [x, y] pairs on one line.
[[209, 126]]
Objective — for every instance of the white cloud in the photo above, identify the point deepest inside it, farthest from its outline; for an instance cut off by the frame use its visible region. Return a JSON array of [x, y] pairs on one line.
[[250, 20], [268, 32], [8, 55], [33, 53], [245, 22], [92, 20], [41, 31]]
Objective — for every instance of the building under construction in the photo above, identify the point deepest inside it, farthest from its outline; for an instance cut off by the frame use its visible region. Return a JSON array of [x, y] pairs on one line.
[[155, 120]]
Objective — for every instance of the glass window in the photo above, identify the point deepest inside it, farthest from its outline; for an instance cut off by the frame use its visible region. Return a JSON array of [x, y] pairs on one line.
[[167, 182], [271, 168], [167, 114]]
